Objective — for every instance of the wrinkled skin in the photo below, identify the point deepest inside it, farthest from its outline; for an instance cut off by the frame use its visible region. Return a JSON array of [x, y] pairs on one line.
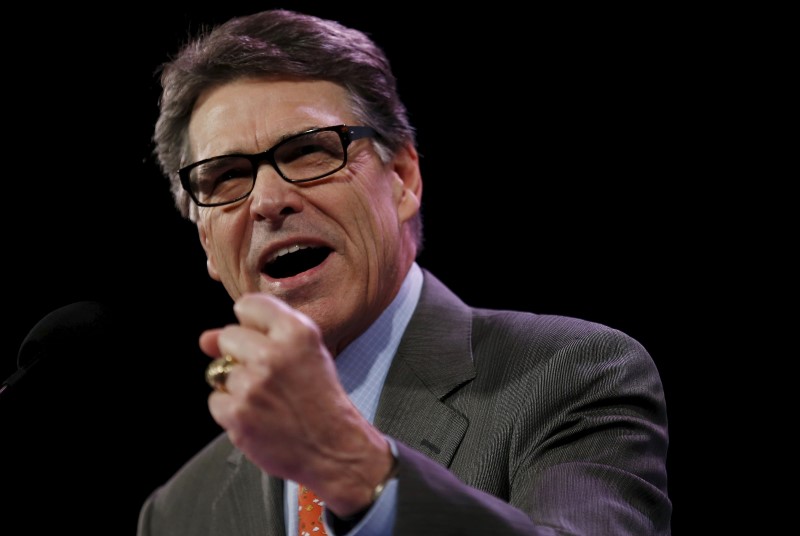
[[284, 406]]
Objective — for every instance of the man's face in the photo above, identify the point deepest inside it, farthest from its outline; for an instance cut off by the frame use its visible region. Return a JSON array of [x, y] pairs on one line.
[[344, 237]]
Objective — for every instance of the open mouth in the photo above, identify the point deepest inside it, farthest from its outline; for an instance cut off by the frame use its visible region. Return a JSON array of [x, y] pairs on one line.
[[295, 260]]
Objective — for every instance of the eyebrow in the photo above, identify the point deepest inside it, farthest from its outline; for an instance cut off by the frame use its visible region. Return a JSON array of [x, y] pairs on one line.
[[279, 139]]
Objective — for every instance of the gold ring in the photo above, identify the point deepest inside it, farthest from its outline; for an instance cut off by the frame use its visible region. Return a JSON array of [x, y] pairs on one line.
[[217, 372]]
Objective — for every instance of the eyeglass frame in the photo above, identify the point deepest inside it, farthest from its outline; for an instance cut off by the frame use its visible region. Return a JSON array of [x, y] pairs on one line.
[[347, 135]]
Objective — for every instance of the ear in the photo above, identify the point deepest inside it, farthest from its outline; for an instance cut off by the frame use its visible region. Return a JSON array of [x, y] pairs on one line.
[[206, 243], [409, 185]]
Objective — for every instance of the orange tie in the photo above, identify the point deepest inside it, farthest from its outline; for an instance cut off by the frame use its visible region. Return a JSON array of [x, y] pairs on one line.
[[310, 512]]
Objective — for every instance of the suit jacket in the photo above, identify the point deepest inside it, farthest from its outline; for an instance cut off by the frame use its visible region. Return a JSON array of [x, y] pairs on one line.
[[506, 423]]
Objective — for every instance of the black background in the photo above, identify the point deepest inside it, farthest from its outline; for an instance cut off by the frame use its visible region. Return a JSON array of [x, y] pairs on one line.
[[558, 146]]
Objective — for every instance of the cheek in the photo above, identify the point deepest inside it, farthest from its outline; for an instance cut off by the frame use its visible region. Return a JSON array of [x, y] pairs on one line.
[[375, 204], [377, 219], [218, 236]]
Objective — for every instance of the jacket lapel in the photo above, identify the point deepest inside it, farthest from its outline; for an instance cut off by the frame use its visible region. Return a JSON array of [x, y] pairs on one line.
[[434, 358], [249, 502]]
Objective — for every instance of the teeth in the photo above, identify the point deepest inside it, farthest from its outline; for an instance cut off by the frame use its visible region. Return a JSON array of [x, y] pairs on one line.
[[290, 249]]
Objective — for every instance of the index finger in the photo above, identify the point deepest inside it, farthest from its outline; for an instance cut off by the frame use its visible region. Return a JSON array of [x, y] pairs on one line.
[[264, 312]]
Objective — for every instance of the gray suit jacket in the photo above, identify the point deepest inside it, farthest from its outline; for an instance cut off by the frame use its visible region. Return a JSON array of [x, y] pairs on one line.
[[506, 422]]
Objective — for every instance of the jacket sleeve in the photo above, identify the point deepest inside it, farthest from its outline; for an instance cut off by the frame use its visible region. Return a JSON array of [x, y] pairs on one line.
[[431, 500]]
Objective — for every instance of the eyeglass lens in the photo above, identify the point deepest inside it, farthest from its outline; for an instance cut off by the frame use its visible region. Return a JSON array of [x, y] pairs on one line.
[[305, 157]]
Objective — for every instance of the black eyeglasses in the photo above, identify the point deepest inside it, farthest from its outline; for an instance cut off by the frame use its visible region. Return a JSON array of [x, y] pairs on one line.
[[304, 157]]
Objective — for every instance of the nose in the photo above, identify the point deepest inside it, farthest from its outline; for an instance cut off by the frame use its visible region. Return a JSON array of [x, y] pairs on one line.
[[272, 197]]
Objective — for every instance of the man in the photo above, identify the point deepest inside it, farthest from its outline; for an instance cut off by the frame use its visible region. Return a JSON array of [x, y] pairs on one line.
[[352, 372]]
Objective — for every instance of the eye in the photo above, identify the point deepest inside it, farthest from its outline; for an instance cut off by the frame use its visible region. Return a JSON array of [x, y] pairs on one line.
[[310, 148], [234, 170], [209, 176]]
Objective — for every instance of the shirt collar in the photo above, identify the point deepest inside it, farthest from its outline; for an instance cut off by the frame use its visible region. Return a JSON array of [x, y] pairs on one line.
[[363, 364]]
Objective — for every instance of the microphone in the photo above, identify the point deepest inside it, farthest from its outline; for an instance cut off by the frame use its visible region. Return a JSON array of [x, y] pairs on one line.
[[64, 329]]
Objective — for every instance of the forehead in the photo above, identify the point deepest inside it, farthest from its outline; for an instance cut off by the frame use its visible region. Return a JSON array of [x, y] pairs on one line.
[[252, 114]]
